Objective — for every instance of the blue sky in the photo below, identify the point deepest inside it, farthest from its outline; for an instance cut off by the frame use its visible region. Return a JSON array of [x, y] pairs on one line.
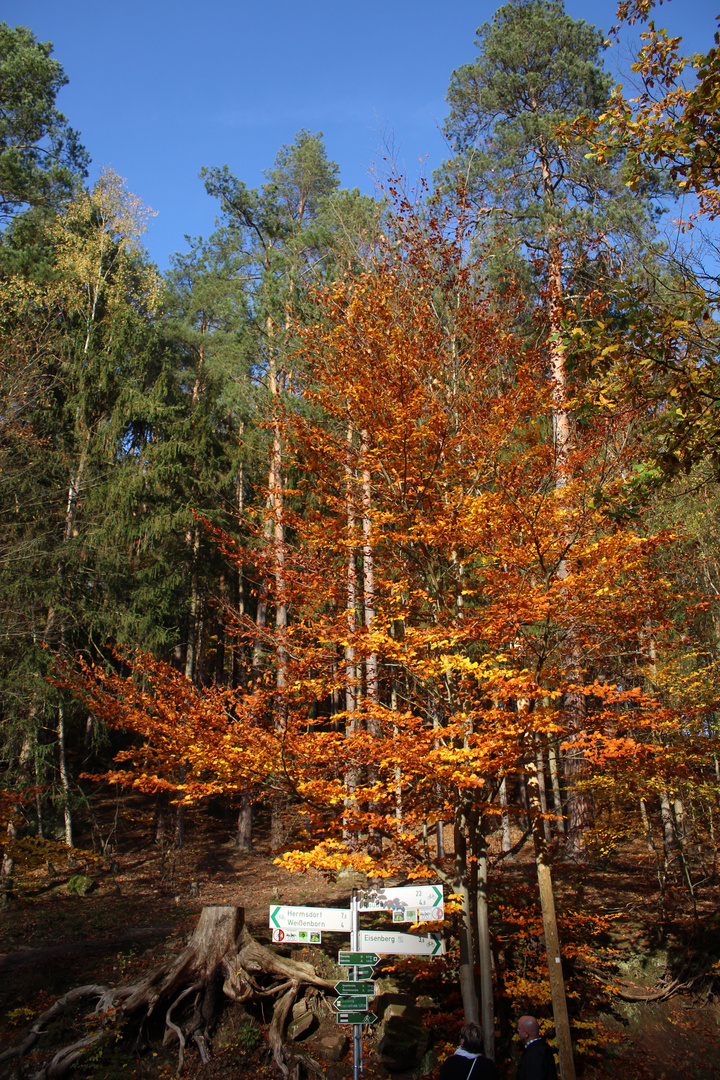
[[162, 87]]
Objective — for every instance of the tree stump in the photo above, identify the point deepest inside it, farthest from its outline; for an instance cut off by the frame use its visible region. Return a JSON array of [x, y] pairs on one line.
[[222, 960]]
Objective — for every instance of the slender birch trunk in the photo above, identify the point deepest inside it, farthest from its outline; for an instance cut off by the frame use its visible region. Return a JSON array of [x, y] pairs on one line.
[[64, 775], [371, 660], [351, 599]]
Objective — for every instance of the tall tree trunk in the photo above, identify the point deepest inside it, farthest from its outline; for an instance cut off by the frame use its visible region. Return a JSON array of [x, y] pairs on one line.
[[649, 842], [64, 776], [552, 940], [506, 837], [220, 631], [238, 661], [7, 869], [192, 540], [555, 779], [580, 807], [243, 835], [480, 873], [669, 831], [277, 539], [371, 660], [540, 763], [580, 811], [179, 837], [468, 991], [351, 598]]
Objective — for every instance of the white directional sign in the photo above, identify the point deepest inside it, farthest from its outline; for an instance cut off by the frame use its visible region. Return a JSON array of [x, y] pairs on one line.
[[408, 903], [393, 943], [309, 918]]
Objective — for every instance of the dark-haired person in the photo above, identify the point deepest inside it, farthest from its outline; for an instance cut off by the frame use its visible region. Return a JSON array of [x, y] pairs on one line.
[[537, 1061], [468, 1062]]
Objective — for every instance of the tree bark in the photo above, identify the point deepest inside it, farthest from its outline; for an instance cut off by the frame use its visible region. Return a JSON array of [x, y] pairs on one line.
[[222, 959], [487, 1000], [64, 776], [552, 940], [243, 835], [468, 991]]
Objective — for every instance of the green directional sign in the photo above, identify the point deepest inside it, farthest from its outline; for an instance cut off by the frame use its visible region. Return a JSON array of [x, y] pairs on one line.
[[358, 987], [356, 1018], [364, 971], [348, 959], [350, 1001]]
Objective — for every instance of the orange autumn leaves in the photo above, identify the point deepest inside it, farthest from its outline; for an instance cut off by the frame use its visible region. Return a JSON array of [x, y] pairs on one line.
[[418, 431]]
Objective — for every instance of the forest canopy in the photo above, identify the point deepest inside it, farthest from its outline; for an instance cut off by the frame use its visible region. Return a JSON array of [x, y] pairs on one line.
[[395, 518]]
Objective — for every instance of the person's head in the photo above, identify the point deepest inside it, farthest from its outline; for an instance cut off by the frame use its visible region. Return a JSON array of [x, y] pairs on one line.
[[528, 1028], [471, 1038]]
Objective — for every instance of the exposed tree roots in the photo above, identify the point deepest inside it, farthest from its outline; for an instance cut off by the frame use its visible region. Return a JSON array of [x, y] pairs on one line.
[[222, 960]]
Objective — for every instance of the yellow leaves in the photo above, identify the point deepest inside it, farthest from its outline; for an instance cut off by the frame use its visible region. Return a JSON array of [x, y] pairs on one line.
[[93, 240]]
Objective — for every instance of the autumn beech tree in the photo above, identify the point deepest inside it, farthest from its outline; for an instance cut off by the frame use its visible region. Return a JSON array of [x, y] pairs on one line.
[[410, 694], [564, 223]]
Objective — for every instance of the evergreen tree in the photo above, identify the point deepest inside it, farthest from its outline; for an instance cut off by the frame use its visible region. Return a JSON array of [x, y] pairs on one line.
[[80, 339], [41, 158], [533, 190], [557, 219]]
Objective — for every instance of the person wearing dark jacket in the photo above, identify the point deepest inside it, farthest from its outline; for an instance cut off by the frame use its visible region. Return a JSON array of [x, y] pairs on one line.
[[537, 1061], [468, 1062]]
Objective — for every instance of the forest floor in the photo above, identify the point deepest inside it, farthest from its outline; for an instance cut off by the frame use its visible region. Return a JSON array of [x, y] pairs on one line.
[[52, 940]]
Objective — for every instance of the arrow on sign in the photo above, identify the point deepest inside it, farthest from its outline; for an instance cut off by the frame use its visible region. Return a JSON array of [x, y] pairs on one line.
[[358, 1001], [349, 959], [423, 903], [300, 918], [358, 987], [396, 944]]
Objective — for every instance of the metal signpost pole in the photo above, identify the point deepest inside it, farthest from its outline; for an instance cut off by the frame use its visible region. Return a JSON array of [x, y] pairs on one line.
[[357, 1028]]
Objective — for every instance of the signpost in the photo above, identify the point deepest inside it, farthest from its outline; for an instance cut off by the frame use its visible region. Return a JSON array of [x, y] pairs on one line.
[[301, 918], [397, 944], [364, 971], [408, 903], [350, 1001], [356, 987], [350, 959]]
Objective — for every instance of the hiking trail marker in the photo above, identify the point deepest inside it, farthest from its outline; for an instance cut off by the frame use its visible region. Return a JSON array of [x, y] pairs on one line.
[[356, 1018], [407, 903], [352, 959], [397, 944], [301, 918]]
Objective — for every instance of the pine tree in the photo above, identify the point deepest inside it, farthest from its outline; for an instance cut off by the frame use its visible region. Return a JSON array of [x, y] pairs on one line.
[[41, 158]]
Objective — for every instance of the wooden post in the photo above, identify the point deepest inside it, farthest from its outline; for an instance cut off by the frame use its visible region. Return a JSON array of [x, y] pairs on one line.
[[552, 940]]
